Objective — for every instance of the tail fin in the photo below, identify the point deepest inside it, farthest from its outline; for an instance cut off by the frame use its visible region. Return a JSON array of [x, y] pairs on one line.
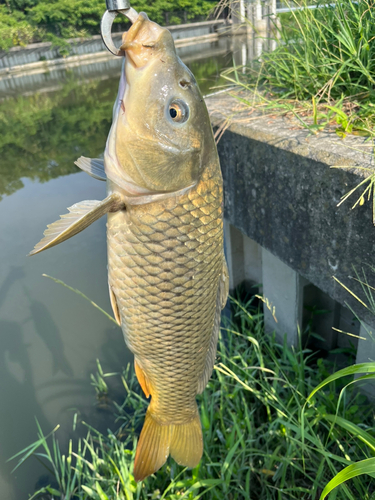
[[187, 443], [184, 442]]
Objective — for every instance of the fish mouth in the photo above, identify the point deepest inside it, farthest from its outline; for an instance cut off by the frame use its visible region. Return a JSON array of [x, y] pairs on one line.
[[138, 43]]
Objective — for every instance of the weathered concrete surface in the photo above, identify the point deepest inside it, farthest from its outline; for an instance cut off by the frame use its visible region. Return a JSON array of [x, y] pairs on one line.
[[366, 354], [281, 191], [283, 287]]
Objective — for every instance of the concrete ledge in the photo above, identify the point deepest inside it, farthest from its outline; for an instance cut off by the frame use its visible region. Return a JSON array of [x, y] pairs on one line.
[[281, 191]]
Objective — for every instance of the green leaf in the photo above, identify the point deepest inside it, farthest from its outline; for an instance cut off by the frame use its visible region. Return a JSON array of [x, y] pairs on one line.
[[350, 370], [353, 429], [89, 491], [363, 467], [102, 495]]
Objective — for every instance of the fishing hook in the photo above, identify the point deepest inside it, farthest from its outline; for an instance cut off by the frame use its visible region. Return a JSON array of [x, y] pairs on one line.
[[115, 7]]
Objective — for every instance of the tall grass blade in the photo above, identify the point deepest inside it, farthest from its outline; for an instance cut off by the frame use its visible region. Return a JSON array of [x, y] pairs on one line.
[[82, 295], [354, 470], [350, 370]]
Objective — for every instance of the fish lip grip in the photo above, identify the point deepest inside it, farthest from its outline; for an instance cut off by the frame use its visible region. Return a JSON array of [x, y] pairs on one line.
[[115, 7]]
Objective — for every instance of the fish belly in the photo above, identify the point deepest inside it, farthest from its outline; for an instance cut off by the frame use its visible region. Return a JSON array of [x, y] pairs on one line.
[[165, 260]]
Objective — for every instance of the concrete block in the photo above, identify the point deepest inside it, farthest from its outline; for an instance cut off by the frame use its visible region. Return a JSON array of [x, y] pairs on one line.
[[348, 324], [366, 354], [323, 314], [244, 258], [252, 261], [283, 288], [281, 192], [272, 8], [260, 22], [233, 247], [238, 11], [258, 14]]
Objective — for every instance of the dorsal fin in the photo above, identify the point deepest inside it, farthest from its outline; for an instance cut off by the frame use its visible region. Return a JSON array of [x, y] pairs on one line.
[[80, 216], [92, 166]]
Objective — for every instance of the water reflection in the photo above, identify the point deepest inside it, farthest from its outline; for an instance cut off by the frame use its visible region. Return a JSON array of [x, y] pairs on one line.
[[46, 132], [50, 334], [43, 133], [16, 377]]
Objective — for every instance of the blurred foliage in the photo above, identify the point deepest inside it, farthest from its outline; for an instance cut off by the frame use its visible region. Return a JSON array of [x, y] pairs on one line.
[[15, 29], [26, 21]]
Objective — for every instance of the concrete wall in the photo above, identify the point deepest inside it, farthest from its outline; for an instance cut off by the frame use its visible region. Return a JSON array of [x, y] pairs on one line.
[[49, 76], [284, 228], [33, 53]]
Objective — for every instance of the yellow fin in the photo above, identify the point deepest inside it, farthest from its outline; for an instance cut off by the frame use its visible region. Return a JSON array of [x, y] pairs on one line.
[[152, 449], [114, 304], [224, 285], [80, 216], [142, 379], [187, 443]]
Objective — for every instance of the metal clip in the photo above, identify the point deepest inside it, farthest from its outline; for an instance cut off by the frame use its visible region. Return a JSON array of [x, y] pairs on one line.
[[115, 7]]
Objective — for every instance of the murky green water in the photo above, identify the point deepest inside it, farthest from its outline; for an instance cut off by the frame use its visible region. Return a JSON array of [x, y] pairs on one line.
[[50, 337]]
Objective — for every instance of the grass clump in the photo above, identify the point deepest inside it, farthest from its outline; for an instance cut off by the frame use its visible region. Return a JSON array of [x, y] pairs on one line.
[[326, 52], [323, 67], [263, 438]]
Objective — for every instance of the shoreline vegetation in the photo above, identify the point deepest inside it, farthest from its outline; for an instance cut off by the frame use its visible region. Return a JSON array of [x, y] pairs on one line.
[[322, 71], [29, 21], [272, 429]]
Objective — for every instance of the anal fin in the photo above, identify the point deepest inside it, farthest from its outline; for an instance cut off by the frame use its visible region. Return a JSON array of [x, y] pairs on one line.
[[224, 285], [114, 305], [142, 379], [80, 216]]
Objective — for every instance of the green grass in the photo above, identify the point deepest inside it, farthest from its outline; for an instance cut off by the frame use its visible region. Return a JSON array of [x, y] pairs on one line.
[[327, 51], [323, 69], [264, 437]]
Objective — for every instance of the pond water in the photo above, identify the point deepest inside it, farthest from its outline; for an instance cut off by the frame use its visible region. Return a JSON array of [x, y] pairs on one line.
[[50, 337]]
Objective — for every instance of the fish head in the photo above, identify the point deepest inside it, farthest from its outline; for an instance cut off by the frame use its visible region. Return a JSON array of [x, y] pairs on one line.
[[161, 137]]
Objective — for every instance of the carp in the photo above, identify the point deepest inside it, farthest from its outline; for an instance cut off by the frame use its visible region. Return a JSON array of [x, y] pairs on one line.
[[167, 275]]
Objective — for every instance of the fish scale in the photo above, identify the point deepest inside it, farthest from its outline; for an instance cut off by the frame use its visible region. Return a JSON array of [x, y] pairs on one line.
[[167, 307]]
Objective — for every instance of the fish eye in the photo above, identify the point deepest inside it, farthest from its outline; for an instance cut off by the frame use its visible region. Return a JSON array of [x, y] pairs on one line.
[[178, 111]]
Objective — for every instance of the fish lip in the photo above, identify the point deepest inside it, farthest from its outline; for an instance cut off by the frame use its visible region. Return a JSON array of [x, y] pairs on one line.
[[135, 27], [136, 49]]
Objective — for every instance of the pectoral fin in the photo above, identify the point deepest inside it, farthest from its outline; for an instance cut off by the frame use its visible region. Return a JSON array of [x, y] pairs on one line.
[[93, 167], [80, 216]]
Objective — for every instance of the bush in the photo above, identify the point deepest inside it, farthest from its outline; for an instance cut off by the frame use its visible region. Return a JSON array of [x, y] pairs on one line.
[[44, 20]]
